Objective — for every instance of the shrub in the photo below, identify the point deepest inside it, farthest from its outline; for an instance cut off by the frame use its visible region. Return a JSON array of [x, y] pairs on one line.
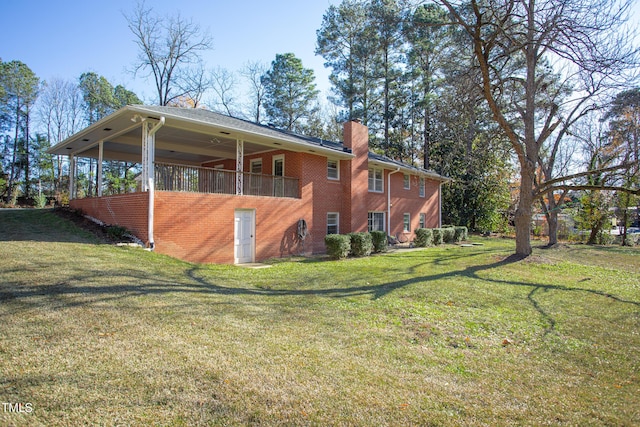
[[437, 236], [361, 244], [424, 237], [338, 245], [448, 234], [116, 232], [379, 239], [461, 233]]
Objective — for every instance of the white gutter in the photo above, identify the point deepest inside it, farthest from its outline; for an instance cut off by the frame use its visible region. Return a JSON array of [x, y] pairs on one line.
[[440, 205], [151, 150], [389, 200]]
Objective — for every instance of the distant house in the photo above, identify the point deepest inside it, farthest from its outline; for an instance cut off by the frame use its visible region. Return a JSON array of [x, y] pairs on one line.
[[217, 189]]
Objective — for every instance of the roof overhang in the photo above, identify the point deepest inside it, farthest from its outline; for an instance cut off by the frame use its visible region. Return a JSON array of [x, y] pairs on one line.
[[382, 163], [189, 137]]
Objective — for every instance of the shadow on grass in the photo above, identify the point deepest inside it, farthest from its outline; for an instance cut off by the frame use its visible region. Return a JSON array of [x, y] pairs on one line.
[[74, 291]]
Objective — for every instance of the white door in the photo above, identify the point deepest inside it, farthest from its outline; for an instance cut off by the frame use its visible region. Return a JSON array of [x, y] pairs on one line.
[[244, 236]]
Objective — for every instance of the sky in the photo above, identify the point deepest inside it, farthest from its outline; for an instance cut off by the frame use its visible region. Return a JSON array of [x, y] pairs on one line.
[[65, 38]]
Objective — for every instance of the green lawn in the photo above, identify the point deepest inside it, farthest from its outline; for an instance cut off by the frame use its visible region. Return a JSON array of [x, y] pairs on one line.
[[94, 334]]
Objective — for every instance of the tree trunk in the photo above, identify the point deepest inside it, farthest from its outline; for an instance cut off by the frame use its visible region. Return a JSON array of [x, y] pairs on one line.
[[552, 220], [524, 213]]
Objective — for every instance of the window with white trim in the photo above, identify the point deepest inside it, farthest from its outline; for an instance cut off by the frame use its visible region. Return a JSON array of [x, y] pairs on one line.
[[333, 223], [333, 169], [422, 186], [423, 220], [376, 221], [407, 181], [375, 180], [406, 220]]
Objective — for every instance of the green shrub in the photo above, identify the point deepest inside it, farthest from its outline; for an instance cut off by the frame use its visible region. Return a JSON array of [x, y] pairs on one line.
[[379, 239], [437, 236], [424, 237], [461, 233], [338, 245], [448, 234], [361, 244], [40, 201], [116, 232]]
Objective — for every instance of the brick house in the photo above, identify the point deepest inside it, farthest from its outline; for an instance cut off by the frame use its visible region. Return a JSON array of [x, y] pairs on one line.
[[217, 189]]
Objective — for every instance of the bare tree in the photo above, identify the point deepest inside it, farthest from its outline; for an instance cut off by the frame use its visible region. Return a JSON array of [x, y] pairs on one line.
[[223, 83], [167, 47], [253, 72], [589, 35], [60, 110]]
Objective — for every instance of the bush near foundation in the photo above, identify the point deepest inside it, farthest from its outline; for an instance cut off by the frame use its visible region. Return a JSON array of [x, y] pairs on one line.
[[424, 237], [461, 233], [437, 236], [361, 244], [338, 245], [380, 242]]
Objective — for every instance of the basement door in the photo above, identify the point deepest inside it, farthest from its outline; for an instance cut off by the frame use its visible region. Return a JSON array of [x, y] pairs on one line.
[[244, 236]]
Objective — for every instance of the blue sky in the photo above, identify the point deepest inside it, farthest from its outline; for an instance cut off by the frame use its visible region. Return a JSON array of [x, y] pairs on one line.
[[64, 38]]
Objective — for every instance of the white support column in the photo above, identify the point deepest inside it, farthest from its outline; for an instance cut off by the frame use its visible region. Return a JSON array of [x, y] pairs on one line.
[[99, 174], [239, 166], [145, 156], [72, 176]]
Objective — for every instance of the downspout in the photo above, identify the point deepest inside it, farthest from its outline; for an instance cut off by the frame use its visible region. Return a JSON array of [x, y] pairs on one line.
[[389, 200], [151, 156], [440, 205]]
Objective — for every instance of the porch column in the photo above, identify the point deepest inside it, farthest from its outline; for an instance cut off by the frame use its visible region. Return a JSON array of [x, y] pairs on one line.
[[146, 156], [99, 166], [72, 175], [239, 166]]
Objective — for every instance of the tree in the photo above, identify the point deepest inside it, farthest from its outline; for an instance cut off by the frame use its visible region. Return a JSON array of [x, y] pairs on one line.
[[20, 87], [582, 33], [223, 85], [427, 45], [624, 133], [167, 47], [60, 112], [290, 92], [252, 72], [348, 43], [97, 94]]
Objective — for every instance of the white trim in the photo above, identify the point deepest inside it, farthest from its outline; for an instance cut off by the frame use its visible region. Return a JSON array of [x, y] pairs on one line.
[[337, 214], [375, 169], [239, 166], [337, 178], [99, 168], [236, 242], [389, 197]]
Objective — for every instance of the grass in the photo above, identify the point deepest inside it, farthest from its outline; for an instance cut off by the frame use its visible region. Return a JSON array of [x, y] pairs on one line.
[[94, 334]]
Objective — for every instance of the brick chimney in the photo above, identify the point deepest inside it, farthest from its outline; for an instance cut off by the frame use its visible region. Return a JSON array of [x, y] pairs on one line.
[[356, 186]]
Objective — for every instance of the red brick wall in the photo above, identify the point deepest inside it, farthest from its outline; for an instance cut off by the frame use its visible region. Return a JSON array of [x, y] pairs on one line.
[[203, 231], [355, 197], [127, 210]]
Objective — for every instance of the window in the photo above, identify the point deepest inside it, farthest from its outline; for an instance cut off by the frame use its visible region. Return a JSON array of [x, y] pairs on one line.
[[333, 169], [375, 180], [406, 219], [421, 186], [407, 182], [376, 221], [423, 220], [333, 223], [256, 166], [278, 174], [255, 181]]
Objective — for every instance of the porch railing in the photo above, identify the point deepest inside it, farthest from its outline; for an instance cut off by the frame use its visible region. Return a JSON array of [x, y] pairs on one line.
[[172, 177]]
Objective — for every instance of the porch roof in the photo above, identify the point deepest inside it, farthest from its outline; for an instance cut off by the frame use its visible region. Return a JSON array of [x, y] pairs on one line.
[[189, 136]]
